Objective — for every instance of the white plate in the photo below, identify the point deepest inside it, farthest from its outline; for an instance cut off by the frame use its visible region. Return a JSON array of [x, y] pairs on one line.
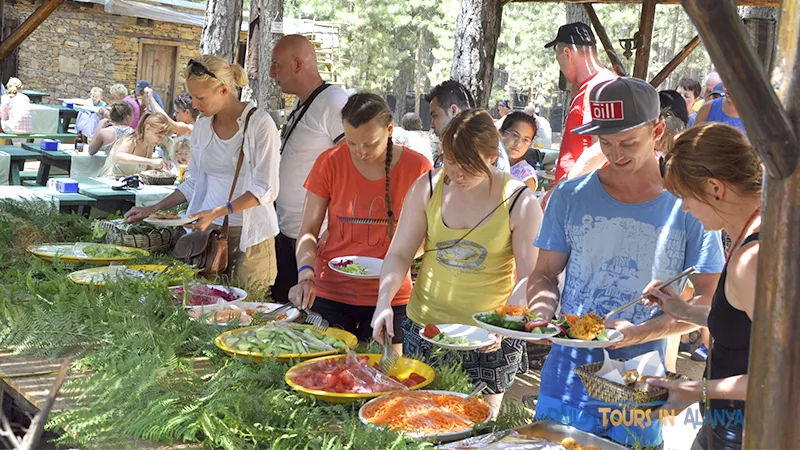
[[244, 320], [373, 266], [472, 333], [179, 222], [614, 336], [443, 437], [291, 315], [240, 295], [524, 335]]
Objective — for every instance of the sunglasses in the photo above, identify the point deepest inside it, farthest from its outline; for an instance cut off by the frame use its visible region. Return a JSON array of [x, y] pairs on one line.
[[663, 166], [198, 69]]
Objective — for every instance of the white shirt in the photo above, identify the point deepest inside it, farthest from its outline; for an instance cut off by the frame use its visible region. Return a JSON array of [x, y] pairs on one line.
[[419, 141], [318, 130], [223, 155], [544, 133], [259, 173]]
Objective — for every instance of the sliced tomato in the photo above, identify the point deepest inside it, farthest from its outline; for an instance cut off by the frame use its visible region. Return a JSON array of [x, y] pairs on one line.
[[345, 378], [431, 331], [416, 378], [340, 388], [376, 366], [364, 360], [409, 383]]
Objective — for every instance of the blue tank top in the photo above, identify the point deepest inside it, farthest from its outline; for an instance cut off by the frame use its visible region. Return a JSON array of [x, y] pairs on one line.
[[716, 114]]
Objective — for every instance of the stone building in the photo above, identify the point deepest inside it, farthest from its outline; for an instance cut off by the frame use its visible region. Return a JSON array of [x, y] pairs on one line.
[[82, 45]]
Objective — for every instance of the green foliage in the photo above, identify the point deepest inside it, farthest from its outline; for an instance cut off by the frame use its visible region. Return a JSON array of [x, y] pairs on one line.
[[145, 371]]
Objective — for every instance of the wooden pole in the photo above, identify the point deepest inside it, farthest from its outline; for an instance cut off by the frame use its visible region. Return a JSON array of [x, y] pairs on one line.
[[767, 123], [675, 62], [772, 413], [609, 47], [645, 38], [29, 26]]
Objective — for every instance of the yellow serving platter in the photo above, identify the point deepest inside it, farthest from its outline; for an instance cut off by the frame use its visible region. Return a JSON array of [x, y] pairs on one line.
[[99, 275], [72, 252], [349, 339], [402, 369]]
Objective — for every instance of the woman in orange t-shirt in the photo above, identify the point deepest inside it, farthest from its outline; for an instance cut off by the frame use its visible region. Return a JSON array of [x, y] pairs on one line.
[[361, 185]]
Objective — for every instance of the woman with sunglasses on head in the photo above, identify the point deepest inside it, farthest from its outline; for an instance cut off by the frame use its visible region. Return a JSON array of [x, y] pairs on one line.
[[516, 135], [361, 185], [230, 132], [475, 224], [716, 172]]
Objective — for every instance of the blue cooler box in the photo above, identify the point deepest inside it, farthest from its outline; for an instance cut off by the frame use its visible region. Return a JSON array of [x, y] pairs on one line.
[[49, 144], [67, 186]]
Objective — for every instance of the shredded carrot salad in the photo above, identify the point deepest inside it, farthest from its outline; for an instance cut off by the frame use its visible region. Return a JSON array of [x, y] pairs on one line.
[[426, 413], [511, 310]]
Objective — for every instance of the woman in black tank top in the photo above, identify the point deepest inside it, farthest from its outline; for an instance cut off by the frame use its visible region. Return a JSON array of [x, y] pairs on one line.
[[715, 171]]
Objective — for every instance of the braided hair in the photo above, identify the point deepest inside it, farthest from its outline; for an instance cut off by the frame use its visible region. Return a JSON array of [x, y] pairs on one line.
[[360, 109]]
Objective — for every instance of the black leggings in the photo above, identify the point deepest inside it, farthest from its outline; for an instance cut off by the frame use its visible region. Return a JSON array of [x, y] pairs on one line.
[[357, 319]]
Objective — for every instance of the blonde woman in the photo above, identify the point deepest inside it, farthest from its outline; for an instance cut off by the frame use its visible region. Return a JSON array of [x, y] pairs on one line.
[[217, 137], [120, 94], [134, 153], [15, 109]]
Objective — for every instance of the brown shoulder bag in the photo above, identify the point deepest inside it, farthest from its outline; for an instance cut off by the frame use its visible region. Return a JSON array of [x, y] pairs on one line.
[[208, 250]]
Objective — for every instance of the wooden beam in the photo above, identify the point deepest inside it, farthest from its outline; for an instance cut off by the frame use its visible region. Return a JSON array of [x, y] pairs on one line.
[[767, 123], [772, 413], [773, 3], [29, 26], [619, 68], [648, 18], [675, 62]]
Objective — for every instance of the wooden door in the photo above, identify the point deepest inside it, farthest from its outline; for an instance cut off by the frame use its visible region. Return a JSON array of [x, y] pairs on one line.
[[157, 65]]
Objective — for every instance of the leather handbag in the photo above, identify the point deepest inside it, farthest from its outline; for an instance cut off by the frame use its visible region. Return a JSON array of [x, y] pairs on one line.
[[208, 250]]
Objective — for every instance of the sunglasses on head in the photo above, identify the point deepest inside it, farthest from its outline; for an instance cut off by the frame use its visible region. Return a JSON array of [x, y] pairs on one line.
[[199, 70], [662, 166]]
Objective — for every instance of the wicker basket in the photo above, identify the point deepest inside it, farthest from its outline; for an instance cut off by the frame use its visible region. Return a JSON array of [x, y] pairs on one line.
[[141, 236], [626, 397], [155, 177]]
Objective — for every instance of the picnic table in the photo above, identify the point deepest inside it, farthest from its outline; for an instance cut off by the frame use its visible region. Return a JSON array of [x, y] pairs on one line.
[[65, 116], [48, 159], [111, 200], [66, 203], [18, 158], [35, 96]]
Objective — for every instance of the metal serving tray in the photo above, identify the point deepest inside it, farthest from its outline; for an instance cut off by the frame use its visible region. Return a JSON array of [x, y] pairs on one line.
[[556, 432]]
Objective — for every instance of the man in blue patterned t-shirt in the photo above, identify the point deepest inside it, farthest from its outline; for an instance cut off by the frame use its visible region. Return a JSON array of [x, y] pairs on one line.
[[613, 231]]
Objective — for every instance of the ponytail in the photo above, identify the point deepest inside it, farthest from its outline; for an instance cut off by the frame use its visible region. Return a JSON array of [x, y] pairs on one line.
[[389, 212]]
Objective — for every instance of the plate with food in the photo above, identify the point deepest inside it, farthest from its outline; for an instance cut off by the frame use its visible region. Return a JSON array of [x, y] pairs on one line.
[[440, 415], [258, 310], [199, 295], [516, 322], [586, 331], [363, 267], [168, 219], [284, 342], [77, 252], [221, 315], [349, 378], [99, 276], [456, 336]]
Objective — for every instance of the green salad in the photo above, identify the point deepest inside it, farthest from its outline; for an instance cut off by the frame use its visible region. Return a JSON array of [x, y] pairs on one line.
[[350, 266], [445, 339], [98, 251], [276, 339]]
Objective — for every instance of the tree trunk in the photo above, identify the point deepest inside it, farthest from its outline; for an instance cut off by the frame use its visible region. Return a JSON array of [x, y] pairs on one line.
[[221, 27], [477, 33], [260, 42], [577, 13], [762, 26]]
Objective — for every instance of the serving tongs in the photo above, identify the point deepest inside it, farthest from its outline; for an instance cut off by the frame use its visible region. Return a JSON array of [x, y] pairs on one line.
[[664, 284]]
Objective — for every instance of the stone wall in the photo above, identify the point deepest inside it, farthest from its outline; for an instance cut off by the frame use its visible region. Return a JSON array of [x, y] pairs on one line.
[[80, 46]]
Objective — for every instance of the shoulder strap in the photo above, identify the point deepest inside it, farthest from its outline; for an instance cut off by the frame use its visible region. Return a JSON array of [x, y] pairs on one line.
[[751, 238], [430, 181], [301, 111], [238, 167], [516, 197]]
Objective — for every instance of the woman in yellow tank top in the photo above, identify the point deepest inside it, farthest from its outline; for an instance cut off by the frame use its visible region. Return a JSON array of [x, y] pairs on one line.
[[475, 224]]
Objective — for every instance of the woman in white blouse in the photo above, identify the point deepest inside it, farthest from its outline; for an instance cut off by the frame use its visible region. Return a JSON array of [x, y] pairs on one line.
[[217, 137]]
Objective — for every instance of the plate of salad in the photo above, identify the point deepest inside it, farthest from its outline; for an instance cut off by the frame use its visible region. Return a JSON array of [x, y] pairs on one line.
[[586, 331], [456, 336], [363, 267], [516, 322]]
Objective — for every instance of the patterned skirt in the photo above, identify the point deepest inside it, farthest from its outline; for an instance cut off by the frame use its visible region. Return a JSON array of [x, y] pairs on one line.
[[497, 369]]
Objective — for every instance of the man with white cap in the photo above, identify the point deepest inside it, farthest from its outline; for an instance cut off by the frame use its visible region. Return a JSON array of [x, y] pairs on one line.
[[612, 232]]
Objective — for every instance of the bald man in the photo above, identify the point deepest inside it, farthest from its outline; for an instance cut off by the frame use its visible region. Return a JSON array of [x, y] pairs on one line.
[[712, 80], [314, 125]]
